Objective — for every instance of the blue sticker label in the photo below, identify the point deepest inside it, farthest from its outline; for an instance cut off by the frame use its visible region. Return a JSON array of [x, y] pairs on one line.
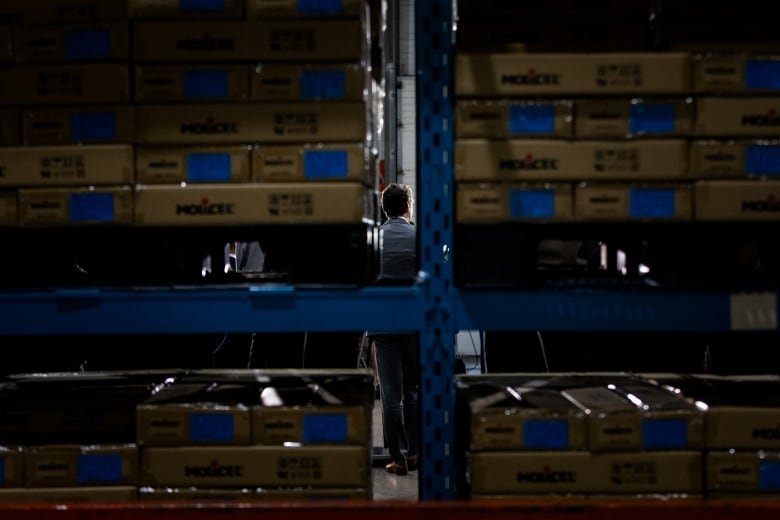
[[651, 118], [2, 471], [319, 7], [531, 119], [92, 207], [209, 83], [651, 203], [769, 475], [659, 434], [762, 160], [209, 167], [325, 428], [92, 126], [99, 467], [762, 74], [202, 6], [532, 203], [211, 427], [89, 44], [546, 435], [325, 164], [323, 84]]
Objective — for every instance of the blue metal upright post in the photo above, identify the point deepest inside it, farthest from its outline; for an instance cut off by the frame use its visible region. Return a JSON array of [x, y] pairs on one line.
[[435, 181]]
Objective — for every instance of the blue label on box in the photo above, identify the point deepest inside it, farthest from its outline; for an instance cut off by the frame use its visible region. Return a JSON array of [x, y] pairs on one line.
[[546, 435], [769, 475], [762, 74], [651, 203], [762, 160], [319, 7], [658, 434], [532, 203], [210, 83], [92, 126], [325, 164], [531, 119], [89, 44], [325, 428], [323, 84], [651, 118], [99, 467], [2, 471], [202, 6], [211, 427], [209, 167], [91, 207]]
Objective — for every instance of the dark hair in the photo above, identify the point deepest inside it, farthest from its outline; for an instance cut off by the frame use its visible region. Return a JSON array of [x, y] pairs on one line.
[[396, 199]]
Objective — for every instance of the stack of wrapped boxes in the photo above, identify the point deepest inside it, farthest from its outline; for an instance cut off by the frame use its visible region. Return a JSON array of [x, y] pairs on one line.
[[204, 435], [578, 435], [257, 435], [71, 437], [741, 434]]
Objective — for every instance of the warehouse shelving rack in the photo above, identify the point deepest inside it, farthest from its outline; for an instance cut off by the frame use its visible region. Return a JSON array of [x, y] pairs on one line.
[[432, 306]]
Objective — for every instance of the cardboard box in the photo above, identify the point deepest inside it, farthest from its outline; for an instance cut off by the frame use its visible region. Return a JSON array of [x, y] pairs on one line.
[[10, 128], [633, 202], [307, 40], [737, 200], [75, 206], [191, 83], [9, 208], [73, 43], [290, 8], [549, 160], [736, 73], [66, 165], [250, 204], [192, 424], [168, 494], [182, 9], [193, 164], [743, 427], [63, 466], [60, 126], [62, 11], [721, 159], [505, 119], [745, 472], [65, 84], [616, 118], [487, 75], [11, 467], [201, 41], [290, 82], [737, 117], [278, 123], [617, 424], [331, 466], [311, 425], [582, 472], [515, 201], [321, 162], [68, 495]]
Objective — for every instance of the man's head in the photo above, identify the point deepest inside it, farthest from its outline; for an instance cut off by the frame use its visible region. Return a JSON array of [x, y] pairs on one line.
[[397, 201]]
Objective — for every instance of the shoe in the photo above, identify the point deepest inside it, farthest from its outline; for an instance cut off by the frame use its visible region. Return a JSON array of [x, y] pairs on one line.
[[396, 469], [411, 463]]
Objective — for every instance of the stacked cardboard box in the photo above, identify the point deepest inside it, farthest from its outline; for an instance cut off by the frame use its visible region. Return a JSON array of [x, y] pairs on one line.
[[256, 435], [71, 436], [596, 434], [741, 434]]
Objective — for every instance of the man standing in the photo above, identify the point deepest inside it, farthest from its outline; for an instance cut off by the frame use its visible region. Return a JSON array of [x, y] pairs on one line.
[[397, 354]]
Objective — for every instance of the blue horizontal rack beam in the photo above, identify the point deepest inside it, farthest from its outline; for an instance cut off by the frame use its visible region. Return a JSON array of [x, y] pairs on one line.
[[603, 310], [258, 308]]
